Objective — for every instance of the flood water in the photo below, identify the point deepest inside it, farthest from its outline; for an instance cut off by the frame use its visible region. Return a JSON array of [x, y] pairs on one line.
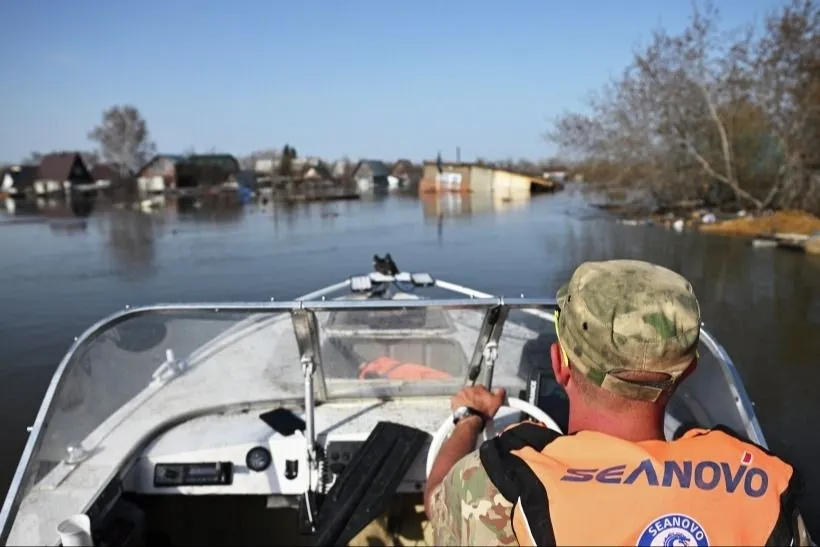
[[58, 277]]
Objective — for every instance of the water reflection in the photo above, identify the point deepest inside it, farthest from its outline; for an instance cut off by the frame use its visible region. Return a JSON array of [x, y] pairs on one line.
[[287, 211], [79, 206], [68, 228], [20, 207], [217, 208], [453, 204], [131, 237]]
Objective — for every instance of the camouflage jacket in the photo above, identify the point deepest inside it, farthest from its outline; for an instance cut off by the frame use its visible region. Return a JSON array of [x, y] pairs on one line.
[[467, 509]]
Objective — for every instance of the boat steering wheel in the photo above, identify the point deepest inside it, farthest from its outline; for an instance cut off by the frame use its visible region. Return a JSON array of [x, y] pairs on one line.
[[490, 430]]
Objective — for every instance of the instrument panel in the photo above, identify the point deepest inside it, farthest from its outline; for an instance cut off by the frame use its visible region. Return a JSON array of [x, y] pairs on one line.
[[193, 474], [242, 454]]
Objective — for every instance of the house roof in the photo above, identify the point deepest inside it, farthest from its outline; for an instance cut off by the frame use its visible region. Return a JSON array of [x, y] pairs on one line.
[[223, 161], [406, 167], [173, 158], [105, 171], [454, 165], [57, 166], [377, 168], [321, 169]]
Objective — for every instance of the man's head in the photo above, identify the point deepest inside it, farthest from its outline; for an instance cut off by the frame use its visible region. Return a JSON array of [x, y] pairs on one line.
[[628, 333]]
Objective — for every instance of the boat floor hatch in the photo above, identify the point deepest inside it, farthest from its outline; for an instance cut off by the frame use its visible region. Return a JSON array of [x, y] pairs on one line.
[[362, 492]]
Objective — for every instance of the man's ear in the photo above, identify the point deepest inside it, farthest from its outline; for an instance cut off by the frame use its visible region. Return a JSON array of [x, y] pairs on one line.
[[558, 369]]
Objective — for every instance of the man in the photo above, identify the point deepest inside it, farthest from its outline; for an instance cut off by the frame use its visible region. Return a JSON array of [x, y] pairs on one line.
[[627, 336]]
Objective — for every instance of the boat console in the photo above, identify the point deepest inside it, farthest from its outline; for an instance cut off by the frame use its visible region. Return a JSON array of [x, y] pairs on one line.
[[239, 453]]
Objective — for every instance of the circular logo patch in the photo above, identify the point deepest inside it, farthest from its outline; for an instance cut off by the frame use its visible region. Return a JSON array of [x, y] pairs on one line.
[[674, 530]]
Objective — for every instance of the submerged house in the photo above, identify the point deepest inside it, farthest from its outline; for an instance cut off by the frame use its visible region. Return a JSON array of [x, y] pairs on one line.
[[370, 175], [316, 173], [341, 169], [18, 180], [60, 173], [204, 170], [440, 177], [159, 174], [405, 174], [105, 174]]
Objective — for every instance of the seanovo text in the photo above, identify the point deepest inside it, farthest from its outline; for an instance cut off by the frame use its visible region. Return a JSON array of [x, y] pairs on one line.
[[704, 475]]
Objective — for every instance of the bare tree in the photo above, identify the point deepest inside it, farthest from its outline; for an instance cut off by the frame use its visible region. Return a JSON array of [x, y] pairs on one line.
[[34, 158], [124, 139], [347, 168], [90, 158], [788, 90], [699, 109], [691, 76]]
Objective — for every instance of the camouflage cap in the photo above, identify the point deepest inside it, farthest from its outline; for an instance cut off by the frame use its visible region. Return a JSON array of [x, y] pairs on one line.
[[627, 315]]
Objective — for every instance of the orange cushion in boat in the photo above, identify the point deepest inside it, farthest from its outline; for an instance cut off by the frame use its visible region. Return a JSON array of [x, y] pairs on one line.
[[392, 369]]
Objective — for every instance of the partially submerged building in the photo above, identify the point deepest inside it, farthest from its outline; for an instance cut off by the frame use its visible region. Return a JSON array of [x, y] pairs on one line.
[[316, 173], [18, 180], [159, 174], [370, 175], [174, 172], [106, 174], [439, 177], [342, 169], [57, 173], [205, 170], [60, 173], [407, 173]]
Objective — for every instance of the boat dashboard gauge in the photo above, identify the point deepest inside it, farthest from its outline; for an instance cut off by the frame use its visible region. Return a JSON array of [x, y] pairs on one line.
[[193, 474], [258, 458]]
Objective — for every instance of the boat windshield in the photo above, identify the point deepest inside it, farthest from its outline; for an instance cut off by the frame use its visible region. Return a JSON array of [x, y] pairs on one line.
[[155, 367]]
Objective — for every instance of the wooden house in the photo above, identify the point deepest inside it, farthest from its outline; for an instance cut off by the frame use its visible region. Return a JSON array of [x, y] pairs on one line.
[[60, 173]]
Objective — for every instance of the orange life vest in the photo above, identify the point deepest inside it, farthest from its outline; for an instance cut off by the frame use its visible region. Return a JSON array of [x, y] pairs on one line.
[[706, 488], [392, 369]]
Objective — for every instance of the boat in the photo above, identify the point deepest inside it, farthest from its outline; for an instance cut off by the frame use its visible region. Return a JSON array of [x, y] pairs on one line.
[[293, 422]]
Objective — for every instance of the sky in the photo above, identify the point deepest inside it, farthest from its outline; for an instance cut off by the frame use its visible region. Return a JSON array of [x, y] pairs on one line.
[[358, 78]]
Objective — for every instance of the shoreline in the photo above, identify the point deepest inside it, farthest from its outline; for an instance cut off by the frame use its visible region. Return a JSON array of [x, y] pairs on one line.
[[790, 228]]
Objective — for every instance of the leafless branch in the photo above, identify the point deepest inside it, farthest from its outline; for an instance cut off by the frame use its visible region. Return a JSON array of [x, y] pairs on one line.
[[709, 107], [123, 139]]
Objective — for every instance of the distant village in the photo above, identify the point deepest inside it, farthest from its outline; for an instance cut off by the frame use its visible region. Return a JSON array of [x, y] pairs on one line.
[[284, 177]]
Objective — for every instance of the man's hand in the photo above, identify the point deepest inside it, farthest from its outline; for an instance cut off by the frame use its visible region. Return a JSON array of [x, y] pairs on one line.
[[479, 398], [464, 437]]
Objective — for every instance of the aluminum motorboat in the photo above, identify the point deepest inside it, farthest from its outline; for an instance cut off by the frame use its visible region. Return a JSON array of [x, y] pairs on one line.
[[293, 422]]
